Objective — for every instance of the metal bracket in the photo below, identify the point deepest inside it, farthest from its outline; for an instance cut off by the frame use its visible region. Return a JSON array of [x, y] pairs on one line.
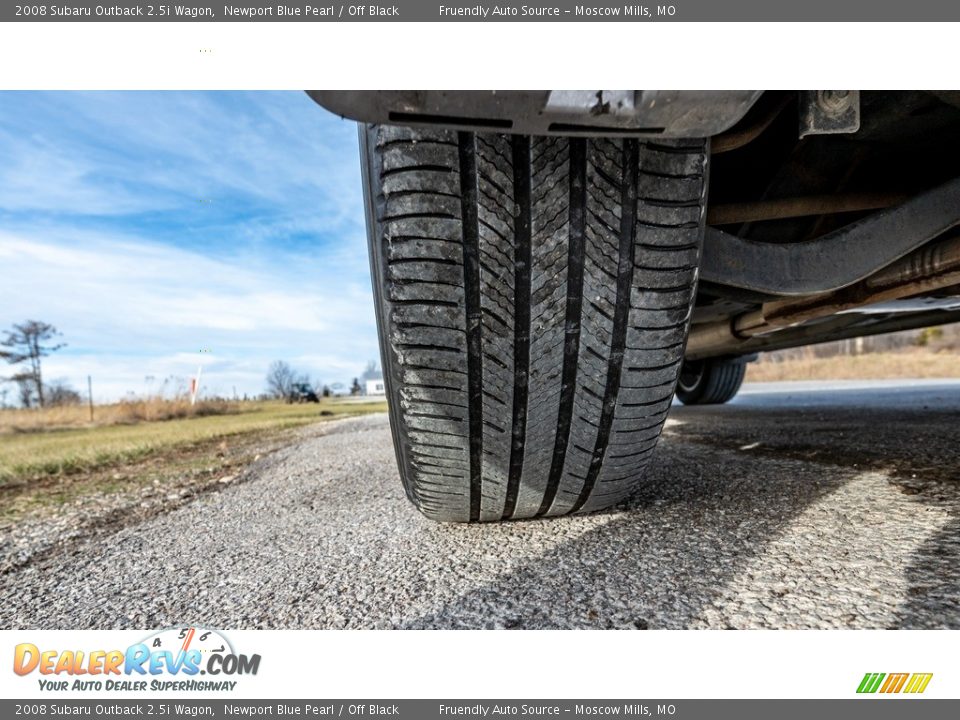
[[829, 112], [836, 259], [587, 113]]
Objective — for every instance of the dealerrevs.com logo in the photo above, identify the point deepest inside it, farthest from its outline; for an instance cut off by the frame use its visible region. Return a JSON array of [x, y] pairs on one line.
[[172, 659], [910, 683]]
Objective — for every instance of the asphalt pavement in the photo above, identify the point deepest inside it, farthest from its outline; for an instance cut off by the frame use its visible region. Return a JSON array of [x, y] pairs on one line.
[[827, 505]]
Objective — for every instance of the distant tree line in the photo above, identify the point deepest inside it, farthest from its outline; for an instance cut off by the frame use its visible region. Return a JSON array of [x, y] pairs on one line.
[[283, 380]]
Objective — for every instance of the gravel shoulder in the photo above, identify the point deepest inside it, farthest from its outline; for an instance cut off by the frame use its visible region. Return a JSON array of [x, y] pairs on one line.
[[775, 512]]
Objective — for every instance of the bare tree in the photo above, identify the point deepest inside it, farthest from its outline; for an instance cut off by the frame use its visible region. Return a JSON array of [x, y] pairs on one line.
[[27, 344], [25, 390], [280, 379], [371, 371], [59, 393]]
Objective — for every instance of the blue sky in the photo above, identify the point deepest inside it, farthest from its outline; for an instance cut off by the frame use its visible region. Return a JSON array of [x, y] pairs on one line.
[[151, 226]]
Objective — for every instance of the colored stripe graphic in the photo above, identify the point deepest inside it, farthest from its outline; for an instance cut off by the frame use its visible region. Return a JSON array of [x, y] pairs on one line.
[[895, 682], [870, 682], [900, 684], [918, 682]]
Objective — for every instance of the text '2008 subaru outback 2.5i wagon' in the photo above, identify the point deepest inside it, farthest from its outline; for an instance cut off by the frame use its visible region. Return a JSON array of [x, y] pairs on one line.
[[551, 268]]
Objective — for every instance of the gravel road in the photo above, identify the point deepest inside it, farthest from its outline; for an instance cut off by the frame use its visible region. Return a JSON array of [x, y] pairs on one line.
[[828, 506]]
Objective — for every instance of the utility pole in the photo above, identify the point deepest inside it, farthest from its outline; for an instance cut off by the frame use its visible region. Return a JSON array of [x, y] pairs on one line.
[[90, 395]]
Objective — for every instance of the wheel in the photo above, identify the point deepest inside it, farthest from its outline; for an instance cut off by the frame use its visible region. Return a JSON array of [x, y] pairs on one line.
[[710, 382], [533, 298]]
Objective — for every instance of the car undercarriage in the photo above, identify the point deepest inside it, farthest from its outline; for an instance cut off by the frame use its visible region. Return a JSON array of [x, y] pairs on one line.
[[552, 268]]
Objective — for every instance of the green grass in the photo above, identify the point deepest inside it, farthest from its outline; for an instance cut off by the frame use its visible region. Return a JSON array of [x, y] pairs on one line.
[[24, 456]]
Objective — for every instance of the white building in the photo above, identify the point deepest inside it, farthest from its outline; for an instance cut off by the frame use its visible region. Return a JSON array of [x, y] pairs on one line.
[[375, 386]]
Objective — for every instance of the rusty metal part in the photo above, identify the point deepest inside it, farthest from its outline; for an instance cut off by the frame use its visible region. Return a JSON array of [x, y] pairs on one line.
[[589, 113], [834, 260], [829, 112], [928, 269], [736, 213], [919, 267], [842, 327], [735, 139]]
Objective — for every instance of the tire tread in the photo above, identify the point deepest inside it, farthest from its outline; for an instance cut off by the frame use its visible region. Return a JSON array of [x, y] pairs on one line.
[[536, 295]]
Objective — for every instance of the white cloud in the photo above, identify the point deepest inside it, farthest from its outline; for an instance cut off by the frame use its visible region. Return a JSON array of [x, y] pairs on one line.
[[36, 175], [116, 153], [130, 309], [148, 226]]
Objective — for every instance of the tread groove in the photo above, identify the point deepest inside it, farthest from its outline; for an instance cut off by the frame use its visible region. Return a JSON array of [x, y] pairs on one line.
[[426, 346], [571, 348], [628, 230], [415, 168], [521, 322], [428, 302], [471, 285], [419, 216]]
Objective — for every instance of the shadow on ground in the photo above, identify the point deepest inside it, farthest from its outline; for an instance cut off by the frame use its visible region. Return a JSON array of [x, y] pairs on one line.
[[726, 482]]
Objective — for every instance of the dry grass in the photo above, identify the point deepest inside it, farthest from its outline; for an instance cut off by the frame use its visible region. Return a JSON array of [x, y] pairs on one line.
[[151, 409], [71, 450], [873, 366]]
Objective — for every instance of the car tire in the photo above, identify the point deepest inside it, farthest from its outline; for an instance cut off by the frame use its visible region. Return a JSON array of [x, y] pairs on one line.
[[710, 382], [533, 300]]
